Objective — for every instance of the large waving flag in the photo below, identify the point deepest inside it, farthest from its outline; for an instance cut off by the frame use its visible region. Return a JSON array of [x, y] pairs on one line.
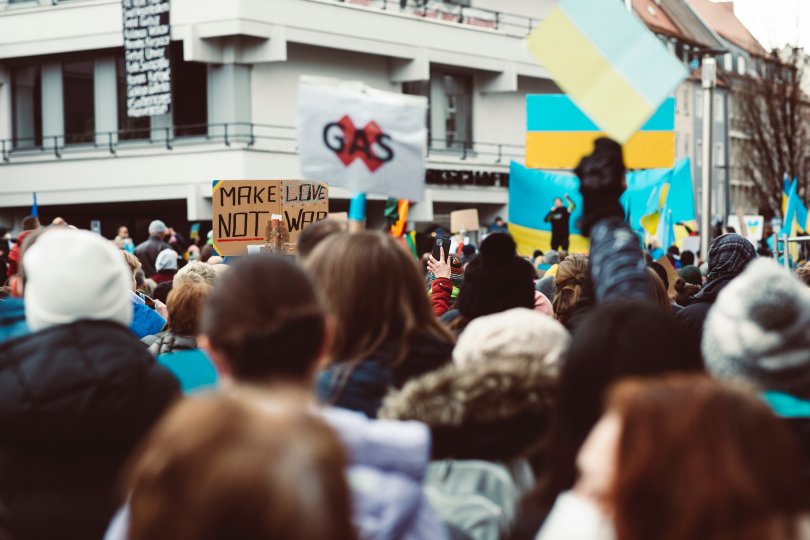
[[643, 196], [604, 57], [531, 196]]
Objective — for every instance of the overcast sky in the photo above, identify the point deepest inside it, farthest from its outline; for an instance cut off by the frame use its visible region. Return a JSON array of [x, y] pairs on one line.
[[776, 22]]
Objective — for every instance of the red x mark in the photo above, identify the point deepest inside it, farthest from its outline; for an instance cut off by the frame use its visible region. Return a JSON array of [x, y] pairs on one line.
[[357, 143]]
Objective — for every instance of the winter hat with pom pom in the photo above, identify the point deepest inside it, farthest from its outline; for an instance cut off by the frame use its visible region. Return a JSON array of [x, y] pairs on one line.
[[497, 279], [760, 334]]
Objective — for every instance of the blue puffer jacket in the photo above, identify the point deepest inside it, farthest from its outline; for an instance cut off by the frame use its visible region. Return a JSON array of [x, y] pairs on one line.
[[12, 319]]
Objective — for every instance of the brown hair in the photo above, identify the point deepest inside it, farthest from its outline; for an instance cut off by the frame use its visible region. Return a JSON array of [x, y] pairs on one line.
[[571, 276], [317, 233], [266, 318], [222, 466], [803, 273], [697, 459], [185, 305], [659, 290], [132, 261], [372, 287]]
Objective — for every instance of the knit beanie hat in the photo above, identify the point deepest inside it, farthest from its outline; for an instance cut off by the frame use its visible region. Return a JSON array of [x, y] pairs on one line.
[[760, 334], [728, 255], [72, 275], [518, 333], [497, 279], [166, 260], [551, 257], [691, 274]]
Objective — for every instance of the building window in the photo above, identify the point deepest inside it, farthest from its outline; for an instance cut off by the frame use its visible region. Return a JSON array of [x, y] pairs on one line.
[[719, 155], [458, 110], [26, 96], [719, 108], [699, 103], [128, 128], [77, 93], [420, 88], [728, 62], [189, 95], [741, 65]]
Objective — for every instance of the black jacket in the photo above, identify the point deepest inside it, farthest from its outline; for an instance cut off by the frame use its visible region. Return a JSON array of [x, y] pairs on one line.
[[74, 402], [693, 316], [147, 253]]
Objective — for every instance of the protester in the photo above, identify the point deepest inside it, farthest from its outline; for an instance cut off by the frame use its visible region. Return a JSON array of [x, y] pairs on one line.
[[12, 308], [194, 270], [683, 457], [4, 249], [759, 335], [317, 233], [185, 310], [728, 256], [124, 240], [385, 333], [445, 280], [496, 280], [148, 251], [230, 467], [498, 226], [467, 254], [486, 412], [687, 258], [147, 318], [77, 394], [659, 290], [570, 282], [29, 224], [165, 266], [691, 274]]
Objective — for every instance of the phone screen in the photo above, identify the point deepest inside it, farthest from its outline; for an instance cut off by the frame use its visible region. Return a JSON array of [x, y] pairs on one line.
[[147, 300], [441, 242]]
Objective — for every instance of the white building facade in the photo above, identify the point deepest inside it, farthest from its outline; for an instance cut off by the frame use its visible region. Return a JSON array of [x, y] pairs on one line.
[[235, 68]]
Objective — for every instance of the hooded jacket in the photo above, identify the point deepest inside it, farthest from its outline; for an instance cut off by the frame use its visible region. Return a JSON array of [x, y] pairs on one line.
[[75, 400], [693, 316]]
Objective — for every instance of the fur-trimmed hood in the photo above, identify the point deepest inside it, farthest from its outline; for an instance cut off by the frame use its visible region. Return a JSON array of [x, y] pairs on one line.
[[493, 411]]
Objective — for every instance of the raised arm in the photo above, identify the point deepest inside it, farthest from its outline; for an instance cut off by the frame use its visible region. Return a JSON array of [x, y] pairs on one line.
[[571, 204], [616, 264]]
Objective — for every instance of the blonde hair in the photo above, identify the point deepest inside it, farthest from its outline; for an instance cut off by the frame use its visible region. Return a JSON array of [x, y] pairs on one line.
[[132, 261], [571, 276], [373, 288], [226, 466]]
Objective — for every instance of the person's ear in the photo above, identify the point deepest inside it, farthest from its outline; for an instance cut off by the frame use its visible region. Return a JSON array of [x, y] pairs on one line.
[[216, 356], [15, 282]]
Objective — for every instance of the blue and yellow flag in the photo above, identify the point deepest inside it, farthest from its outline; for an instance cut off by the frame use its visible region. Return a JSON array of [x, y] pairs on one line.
[[610, 64]]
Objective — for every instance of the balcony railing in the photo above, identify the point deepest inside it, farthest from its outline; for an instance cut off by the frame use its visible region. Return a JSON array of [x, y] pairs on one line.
[[259, 137]]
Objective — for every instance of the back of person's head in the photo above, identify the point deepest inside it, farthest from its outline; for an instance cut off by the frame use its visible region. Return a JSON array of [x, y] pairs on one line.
[[803, 273], [197, 271], [615, 340], [497, 279], [691, 274], [222, 466], [697, 459], [571, 275], [185, 306], [266, 321], [661, 272], [687, 258], [72, 275], [134, 266], [372, 287], [166, 260], [206, 252], [729, 255], [660, 294], [537, 253], [760, 334], [30, 223], [516, 334], [315, 234], [551, 257], [157, 228]]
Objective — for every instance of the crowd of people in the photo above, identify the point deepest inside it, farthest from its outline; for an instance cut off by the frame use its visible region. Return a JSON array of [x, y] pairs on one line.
[[155, 391]]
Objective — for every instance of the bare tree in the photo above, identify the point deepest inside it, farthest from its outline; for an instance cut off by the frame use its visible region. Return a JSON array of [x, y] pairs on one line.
[[774, 114]]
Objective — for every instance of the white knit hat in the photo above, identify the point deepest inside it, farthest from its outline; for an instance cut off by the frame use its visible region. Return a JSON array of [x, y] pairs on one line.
[[72, 275], [757, 330], [517, 333], [166, 260]]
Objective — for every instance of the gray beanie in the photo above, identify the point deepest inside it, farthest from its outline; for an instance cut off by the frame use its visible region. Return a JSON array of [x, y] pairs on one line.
[[548, 286], [551, 257], [760, 334]]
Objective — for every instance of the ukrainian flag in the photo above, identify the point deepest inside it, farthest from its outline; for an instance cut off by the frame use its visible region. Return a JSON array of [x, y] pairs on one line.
[[559, 134], [604, 57]]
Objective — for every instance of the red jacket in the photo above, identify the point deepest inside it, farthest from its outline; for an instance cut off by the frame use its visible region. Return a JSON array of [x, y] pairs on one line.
[[441, 293], [14, 254]]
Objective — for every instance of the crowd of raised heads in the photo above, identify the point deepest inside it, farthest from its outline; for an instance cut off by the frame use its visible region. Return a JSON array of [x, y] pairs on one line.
[[152, 390]]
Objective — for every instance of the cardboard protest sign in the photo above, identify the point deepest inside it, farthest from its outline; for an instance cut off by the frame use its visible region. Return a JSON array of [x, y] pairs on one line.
[[253, 216], [672, 274], [366, 140], [464, 220], [602, 56]]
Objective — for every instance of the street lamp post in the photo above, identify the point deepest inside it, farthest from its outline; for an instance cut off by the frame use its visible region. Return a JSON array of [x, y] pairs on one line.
[[709, 80]]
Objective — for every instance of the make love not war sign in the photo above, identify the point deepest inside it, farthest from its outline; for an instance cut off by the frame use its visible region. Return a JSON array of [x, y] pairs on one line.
[[363, 139], [265, 216]]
